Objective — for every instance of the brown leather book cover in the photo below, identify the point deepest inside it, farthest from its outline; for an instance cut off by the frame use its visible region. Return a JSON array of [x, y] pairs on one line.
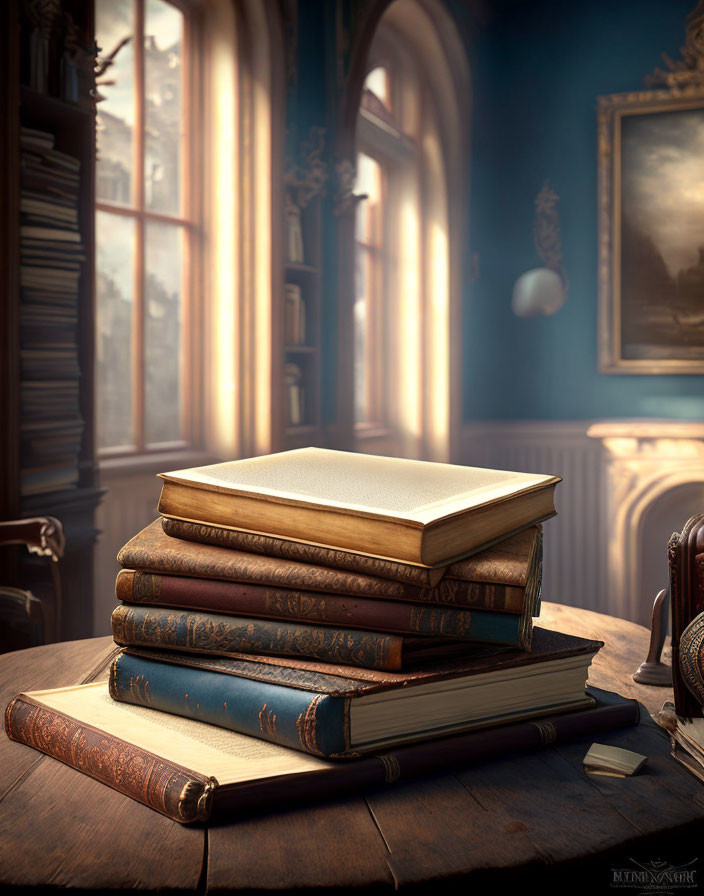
[[246, 599], [350, 681], [303, 552], [152, 550], [226, 635], [169, 789], [189, 796]]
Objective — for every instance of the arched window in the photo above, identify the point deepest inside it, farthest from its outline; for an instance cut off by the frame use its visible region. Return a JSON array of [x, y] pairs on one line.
[[410, 150]]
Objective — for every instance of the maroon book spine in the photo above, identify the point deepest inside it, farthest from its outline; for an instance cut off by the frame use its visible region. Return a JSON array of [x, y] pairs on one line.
[[304, 606], [153, 551], [187, 796]]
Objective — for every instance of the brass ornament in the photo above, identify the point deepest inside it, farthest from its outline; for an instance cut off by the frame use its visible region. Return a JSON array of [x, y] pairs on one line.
[[546, 230], [689, 70]]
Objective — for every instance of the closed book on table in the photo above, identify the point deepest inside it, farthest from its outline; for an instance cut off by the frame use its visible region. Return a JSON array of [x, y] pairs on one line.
[[391, 507], [312, 608], [337, 711], [222, 634], [188, 770], [511, 561], [151, 550]]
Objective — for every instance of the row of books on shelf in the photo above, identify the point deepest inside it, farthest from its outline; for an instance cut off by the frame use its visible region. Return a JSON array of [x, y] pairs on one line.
[[51, 259], [313, 622]]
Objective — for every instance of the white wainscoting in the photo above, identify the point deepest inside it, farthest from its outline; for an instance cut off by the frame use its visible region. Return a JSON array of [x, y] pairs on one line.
[[132, 494], [575, 567]]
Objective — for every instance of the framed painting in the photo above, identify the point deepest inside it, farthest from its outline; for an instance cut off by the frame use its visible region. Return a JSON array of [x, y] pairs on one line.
[[651, 231]]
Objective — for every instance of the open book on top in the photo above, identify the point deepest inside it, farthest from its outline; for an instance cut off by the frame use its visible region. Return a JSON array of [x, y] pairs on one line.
[[412, 510]]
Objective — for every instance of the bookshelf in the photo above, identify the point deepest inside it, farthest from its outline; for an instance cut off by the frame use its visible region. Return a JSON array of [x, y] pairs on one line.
[[301, 400], [46, 255]]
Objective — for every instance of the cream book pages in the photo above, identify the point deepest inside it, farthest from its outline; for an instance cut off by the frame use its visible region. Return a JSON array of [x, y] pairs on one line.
[[412, 490], [390, 507], [208, 750]]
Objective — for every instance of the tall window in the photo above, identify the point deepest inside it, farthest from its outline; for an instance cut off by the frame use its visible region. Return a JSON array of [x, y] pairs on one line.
[[371, 274], [388, 257], [146, 226], [411, 155]]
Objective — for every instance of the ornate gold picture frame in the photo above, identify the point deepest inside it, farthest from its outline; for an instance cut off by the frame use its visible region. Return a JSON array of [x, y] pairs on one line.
[[651, 219], [651, 232]]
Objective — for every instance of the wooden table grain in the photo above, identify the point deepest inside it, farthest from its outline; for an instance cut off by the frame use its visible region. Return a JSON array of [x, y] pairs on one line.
[[535, 819]]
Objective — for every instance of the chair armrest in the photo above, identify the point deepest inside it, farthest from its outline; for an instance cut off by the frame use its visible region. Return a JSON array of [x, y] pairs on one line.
[[43, 535]]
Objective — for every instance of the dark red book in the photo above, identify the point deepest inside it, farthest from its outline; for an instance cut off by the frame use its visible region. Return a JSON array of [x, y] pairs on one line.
[[151, 550], [313, 608]]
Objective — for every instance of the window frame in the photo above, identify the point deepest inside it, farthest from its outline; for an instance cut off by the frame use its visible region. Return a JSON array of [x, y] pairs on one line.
[[397, 153], [190, 222], [379, 263]]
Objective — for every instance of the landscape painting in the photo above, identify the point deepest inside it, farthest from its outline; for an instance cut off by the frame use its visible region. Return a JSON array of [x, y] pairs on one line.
[[652, 217]]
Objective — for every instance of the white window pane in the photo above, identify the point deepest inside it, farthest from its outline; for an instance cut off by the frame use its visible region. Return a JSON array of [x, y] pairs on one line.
[[163, 57], [163, 291], [378, 82], [114, 28], [115, 240]]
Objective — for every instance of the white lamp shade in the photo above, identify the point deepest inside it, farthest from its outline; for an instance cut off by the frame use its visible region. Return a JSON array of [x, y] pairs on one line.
[[540, 291]]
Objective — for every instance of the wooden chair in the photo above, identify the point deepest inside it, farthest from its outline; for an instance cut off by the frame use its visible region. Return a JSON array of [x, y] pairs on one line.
[[23, 617], [686, 557]]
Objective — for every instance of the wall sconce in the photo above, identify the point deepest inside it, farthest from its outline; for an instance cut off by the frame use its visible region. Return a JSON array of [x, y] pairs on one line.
[[542, 291]]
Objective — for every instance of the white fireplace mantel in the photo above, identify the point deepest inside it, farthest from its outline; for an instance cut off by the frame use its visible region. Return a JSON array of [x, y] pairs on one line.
[[644, 460]]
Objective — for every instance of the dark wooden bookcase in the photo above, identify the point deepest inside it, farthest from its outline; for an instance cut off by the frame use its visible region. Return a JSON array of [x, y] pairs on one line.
[[302, 352], [69, 115]]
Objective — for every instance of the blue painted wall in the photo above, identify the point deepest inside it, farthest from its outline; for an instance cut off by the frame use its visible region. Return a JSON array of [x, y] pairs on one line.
[[538, 68]]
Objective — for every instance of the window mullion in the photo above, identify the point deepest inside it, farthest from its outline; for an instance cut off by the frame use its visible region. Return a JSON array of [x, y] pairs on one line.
[[138, 376]]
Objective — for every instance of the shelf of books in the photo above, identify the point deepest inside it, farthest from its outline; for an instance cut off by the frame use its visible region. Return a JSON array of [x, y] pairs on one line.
[[301, 330], [50, 250]]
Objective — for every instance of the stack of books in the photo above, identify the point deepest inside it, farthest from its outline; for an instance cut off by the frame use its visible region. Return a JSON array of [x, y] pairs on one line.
[[51, 257], [337, 605]]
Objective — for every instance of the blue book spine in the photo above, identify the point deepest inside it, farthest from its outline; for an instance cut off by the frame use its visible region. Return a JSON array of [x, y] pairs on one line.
[[501, 628], [303, 720]]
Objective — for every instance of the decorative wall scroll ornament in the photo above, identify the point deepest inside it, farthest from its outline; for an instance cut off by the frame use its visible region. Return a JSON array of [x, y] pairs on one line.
[[307, 179], [688, 71], [346, 199], [542, 291]]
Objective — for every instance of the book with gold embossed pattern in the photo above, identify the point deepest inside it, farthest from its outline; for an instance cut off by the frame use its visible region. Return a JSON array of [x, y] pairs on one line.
[[335, 710], [190, 770]]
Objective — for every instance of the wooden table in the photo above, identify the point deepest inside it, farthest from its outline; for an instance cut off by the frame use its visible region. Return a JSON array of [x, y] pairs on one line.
[[536, 818]]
